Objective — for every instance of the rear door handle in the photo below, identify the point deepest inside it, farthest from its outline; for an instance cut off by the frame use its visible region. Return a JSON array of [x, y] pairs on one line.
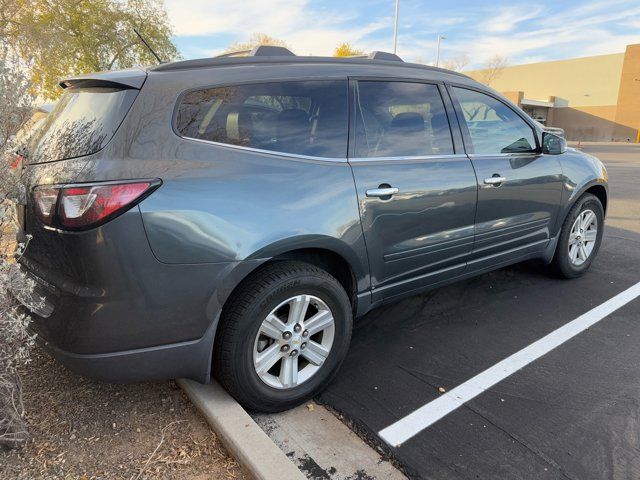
[[382, 192], [495, 180]]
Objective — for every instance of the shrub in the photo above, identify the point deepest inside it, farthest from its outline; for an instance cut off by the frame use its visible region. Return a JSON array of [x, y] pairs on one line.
[[15, 340]]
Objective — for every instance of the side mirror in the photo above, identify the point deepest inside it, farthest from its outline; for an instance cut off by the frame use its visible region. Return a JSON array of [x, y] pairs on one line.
[[553, 144]]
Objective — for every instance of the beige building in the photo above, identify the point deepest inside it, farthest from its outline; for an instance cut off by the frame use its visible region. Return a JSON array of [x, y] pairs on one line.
[[591, 98]]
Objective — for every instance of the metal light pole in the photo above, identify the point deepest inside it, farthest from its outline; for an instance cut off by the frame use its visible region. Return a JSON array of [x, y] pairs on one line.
[[440, 38], [395, 29]]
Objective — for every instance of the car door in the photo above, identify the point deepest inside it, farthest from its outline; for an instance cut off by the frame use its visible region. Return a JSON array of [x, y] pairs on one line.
[[416, 192], [519, 188]]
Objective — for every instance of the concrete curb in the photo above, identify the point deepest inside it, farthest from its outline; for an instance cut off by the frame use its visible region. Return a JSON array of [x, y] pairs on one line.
[[244, 439]]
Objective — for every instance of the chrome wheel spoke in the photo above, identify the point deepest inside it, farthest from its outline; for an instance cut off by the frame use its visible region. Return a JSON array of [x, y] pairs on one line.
[[590, 235], [587, 218], [315, 353], [289, 372], [319, 322], [573, 253], [299, 306], [267, 359], [583, 252], [272, 327]]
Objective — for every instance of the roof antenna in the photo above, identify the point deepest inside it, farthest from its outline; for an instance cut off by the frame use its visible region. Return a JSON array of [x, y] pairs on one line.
[[148, 46]]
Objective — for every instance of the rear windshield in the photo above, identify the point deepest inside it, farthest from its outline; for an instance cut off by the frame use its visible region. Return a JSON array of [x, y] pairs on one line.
[[82, 122]]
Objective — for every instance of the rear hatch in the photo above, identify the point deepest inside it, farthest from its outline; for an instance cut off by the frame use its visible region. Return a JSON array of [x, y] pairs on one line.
[[86, 116], [68, 144]]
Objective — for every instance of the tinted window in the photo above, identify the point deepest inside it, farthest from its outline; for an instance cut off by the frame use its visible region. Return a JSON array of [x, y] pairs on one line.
[[305, 118], [494, 127], [81, 123], [395, 119]]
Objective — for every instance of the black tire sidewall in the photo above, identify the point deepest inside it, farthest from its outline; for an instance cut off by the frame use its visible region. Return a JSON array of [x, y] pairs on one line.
[[562, 260], [257, 394]]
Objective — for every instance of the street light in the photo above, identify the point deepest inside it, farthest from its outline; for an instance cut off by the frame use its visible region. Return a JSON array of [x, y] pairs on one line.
[[395, 29], [440, 38]]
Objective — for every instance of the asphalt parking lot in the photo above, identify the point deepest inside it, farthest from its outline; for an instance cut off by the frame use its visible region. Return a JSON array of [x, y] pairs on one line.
[[572, 413]]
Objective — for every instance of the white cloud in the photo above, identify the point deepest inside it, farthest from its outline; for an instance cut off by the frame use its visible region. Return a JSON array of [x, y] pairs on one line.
[[523, 33], [308, 30], [509, 19], [593, 29]]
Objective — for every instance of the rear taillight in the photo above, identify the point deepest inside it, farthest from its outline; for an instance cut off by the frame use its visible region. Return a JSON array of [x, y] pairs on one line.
[[79, 207], [46, 199]]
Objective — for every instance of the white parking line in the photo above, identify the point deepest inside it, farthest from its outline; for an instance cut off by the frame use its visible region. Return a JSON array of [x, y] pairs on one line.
[[415, 422]]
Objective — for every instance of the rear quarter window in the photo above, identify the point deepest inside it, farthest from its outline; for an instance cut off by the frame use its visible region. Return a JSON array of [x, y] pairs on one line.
[[305, 118], [82, 122]]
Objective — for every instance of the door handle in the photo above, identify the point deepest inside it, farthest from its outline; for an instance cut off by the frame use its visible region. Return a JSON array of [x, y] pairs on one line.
[[382, 192], [495, 180]]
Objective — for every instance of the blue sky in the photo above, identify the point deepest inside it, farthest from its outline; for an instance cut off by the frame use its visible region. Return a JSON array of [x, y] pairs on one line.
[[522, 31]]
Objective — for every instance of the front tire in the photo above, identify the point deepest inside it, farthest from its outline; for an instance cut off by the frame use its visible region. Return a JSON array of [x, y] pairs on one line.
[[580, 238], [282, 337]]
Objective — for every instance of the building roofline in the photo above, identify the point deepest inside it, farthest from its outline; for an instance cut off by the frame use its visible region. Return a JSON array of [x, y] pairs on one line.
[[561, 60]]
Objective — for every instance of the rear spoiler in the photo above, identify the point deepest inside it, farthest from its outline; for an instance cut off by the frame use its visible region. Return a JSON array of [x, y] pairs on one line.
[[129, 78]]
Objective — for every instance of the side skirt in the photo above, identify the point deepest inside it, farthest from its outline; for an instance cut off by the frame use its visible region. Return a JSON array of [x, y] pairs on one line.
[[474, 268]]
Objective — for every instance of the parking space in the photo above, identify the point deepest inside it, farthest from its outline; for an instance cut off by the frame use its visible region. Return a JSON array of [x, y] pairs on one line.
[[572, 413]]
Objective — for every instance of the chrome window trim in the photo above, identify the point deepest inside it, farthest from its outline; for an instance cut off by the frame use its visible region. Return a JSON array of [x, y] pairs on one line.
[[407, 158], [276, 153], [513, 154]]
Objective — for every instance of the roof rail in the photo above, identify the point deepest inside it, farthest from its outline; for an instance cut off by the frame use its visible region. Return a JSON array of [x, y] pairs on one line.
[[237, 53], [271, 51], [390, 57], [260, 51]]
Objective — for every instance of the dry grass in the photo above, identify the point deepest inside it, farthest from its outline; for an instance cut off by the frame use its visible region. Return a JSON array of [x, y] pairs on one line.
[[89, 430]]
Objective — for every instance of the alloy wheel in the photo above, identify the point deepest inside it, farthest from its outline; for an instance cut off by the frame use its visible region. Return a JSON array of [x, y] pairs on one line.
[[293, 341], [582, 238]]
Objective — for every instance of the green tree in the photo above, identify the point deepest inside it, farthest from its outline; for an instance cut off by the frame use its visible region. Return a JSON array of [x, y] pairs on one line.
[[346, 50], [58, 38], [255, 40]]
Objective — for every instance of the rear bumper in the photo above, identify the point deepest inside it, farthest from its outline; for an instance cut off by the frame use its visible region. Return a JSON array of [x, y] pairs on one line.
[[190, 359], [113, 312]]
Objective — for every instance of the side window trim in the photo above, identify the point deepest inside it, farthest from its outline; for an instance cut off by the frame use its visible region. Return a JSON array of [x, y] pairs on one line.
[[452, 117], [465, 130], [462, 124], [183, 93], [457, 143]]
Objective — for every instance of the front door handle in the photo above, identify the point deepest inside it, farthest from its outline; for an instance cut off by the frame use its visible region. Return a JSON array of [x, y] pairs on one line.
[[495, 180], [382, 192]]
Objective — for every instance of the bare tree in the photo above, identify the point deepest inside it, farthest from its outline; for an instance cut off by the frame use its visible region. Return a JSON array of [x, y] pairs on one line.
[[492, 69], [457, 63]]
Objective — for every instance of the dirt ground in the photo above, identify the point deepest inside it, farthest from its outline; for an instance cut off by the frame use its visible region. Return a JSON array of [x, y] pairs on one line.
[[88, 430]]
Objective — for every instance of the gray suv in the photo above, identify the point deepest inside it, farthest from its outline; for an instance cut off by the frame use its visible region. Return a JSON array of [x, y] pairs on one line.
[[232, 216]]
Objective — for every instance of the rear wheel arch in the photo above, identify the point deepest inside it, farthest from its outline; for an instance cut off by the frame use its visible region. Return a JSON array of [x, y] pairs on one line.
[[328, 260]]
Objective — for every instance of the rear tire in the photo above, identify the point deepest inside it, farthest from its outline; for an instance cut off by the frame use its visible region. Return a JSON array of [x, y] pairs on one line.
[[580, 238], [262, 329]]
